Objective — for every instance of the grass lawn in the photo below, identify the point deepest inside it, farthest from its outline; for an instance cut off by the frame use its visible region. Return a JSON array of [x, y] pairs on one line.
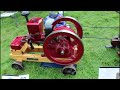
[[95, 54]]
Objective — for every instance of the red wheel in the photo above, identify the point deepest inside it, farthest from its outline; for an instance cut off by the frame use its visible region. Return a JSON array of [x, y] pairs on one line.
[[74, 21], [63, 47]]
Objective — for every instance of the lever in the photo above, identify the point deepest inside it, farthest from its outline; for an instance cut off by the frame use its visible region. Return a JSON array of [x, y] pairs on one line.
[[25, 13], [31, 45]]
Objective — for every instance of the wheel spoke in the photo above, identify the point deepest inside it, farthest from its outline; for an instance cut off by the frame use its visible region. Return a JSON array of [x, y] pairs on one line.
[[74, 43]]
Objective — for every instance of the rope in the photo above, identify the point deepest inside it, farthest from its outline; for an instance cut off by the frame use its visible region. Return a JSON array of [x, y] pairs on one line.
[[101, 27], [96, 37]]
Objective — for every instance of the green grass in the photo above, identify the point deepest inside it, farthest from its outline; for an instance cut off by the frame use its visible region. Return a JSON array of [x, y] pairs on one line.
[[95, 54]]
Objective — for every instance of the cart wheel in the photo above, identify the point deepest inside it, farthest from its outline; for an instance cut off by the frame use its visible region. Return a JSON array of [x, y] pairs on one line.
[[18, 65], [71, 69]]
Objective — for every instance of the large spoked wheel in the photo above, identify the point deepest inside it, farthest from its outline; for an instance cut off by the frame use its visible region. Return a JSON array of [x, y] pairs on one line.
[[72, 20], [69, 42], [17, 65], [71, 69]]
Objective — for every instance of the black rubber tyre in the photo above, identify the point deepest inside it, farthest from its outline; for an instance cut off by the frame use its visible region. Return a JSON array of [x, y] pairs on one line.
[[17, 65], [71, 69]]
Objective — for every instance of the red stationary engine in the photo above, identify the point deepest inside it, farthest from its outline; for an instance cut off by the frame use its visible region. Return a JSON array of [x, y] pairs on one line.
[[62, 45]]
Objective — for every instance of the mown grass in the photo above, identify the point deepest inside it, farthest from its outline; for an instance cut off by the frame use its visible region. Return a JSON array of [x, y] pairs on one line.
[[95, 54]]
